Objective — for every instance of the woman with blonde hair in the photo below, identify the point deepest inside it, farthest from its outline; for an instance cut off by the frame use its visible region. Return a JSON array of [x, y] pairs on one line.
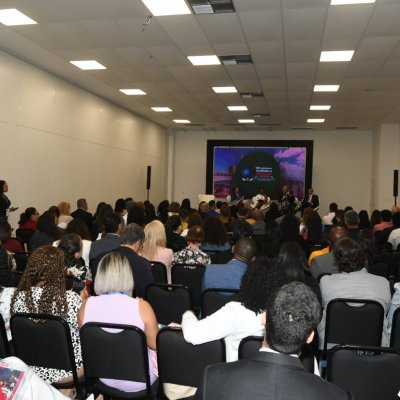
[[114, 304], [154, 245], [65, 214]]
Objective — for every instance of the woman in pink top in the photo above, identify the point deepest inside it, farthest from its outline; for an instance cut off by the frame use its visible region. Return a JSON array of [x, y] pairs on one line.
[[154, 246], [114, 304]]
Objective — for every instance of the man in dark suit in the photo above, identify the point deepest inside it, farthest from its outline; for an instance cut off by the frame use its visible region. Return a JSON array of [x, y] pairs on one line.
[[293, 313], [82, 213], [310, 200]]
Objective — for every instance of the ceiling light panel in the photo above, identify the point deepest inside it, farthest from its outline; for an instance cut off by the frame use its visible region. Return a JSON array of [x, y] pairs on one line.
[[161, 109], [181, 121], [88, 64], [326, 88], [246, 121], [320, 108], [251, 95], [224, 89], [13, 17], [171, 7], [346, 2], [335, 56], [237, 108], [316, 120], [204, 60], [133, 92]]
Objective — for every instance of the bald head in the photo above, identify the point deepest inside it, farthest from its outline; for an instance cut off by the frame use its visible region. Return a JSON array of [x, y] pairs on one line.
[[336, 233], [245, 249]]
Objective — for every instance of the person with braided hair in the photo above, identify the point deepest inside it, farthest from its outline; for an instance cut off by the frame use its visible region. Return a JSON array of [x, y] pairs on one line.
[[42, 290]]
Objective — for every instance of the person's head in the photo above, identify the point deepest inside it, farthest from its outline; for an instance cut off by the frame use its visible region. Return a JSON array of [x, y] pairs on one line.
[[136, 215], [186, 204], [183, 214], [45, 268], [225, 211], [292, 261], [338, 219], [306, 214], [211, 205], [351, 219], [3, 187], [336, 233], [245, 249], [99, 207], [132, 236], [366, 239], [71, 246], [314, 226], [194, 219], [113, 223], [65, 208], [162, 211], [241, 229], [272, 233], [119, 206], [236, 189], [114, 274], [289, 228], [258, 215], [30, 214], [203, 207], [375, 218], [174, 207], [396, 220], [82, 203], [154, 237], [195, 235], [333, 207], [150, 212], [242, 212], [285, 189], [174, 224], [47, 224], [260, 279], [386, 215], [310, 191], [364, 220], [348, 208], [215, 231], [348, 255], [292, 314], [272, 213], [5, 231], [79, 227]]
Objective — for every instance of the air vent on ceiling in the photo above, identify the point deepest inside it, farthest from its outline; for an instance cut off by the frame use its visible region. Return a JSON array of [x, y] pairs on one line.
[[194, 124], [211, 6], [236, 59], [346, 127], [249, 95], [270, 124], [261, 115]]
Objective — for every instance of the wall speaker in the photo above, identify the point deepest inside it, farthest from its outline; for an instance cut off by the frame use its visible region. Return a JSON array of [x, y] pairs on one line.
[[395, 182], [148, 180]]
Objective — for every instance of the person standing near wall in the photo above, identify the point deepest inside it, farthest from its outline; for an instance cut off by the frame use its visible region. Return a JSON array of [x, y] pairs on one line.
[[5, 202]]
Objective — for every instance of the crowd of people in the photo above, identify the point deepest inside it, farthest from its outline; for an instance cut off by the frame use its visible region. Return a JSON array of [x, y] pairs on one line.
[[245, 245]]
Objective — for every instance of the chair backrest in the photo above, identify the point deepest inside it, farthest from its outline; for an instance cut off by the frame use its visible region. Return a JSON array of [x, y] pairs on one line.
[[115, 351], [159, 271], [380, 269], [4, 346], [369, 373], [24, 235], [183, 363], [43, 340], [21, 259], [395, 334], [354, 321], [213, 299], [169, 302], [250, 346], [190, 276]]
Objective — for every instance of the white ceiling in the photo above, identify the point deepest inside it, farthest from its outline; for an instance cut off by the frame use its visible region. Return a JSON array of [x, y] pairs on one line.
[[284, 37]]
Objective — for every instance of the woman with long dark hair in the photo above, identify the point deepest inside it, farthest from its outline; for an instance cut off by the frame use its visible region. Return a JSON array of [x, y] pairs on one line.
[[46, 233], [28, 219], [5, 203]]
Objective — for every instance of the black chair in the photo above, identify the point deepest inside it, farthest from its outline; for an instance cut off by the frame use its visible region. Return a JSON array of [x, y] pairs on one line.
[[43, 340], [169, 302], [159, 271], [380, 269], [392, 259], [21, 259], [369, 373], [190, 276], [358, 324], [250, 346], [183, 363], [121, 355], [24, 235], [395, 334], [4, 345], [213, 299]]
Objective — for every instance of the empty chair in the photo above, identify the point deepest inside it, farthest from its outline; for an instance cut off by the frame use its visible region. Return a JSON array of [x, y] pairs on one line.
[[369, 373], [395, 334], [159, 271], [43, 340], [169, 302], [182, 363], [190, 276], [213, 299], [250, 346], [123, 356], [348, 323]]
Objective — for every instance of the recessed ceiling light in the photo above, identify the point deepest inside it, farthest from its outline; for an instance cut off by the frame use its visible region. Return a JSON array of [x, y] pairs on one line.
[[316, 120], [181, 121], [326, 88], [161, 109], [341, 2], [333, 56], [12, 17], [246, 121], [237, 108], [133, 92], [224, 89], [320, 108], [88, 64], [204, 60], [170, 7]]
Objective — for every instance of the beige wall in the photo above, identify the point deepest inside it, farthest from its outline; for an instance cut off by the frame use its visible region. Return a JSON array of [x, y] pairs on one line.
[[341, 170], [59, 142]]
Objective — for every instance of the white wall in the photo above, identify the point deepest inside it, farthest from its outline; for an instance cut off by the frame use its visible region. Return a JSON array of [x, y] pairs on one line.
[[59, 142], [341, 170]]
